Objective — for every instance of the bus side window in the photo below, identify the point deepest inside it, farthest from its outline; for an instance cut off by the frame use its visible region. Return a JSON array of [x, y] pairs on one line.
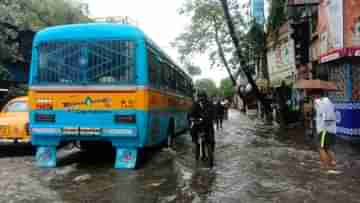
[[164, 77], [190, 90], [153, 76], [178, 82], [182, 84], [168, 76], [173, 79]]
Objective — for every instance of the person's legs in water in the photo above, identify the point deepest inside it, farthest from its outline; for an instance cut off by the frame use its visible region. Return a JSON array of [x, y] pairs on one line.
[[194, 137], [324, 158], [197, 151], [330, 145], [327, 156]]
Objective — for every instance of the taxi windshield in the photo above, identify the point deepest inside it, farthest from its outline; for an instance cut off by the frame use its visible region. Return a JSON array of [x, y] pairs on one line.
[[17, 106]]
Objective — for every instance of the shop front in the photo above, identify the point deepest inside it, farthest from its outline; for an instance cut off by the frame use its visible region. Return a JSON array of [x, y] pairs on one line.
[[339, 34]]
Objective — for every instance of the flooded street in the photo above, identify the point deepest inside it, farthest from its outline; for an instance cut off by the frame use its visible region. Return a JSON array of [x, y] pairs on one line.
[[254, 163]]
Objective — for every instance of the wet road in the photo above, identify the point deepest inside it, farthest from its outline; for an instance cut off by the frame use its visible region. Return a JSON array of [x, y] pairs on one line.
[[254, 163]]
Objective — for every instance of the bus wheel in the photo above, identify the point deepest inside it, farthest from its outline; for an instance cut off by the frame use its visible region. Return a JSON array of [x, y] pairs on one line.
[[140, 160]]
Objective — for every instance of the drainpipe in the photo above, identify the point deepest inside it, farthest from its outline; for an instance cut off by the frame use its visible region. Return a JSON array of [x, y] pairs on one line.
[[349, 81]]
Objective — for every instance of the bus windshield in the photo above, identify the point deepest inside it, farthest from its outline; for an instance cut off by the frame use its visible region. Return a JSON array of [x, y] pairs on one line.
[[85, 62]]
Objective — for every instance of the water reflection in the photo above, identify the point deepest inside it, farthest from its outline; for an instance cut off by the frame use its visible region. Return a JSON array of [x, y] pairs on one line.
[[253, 163], [202, 182]]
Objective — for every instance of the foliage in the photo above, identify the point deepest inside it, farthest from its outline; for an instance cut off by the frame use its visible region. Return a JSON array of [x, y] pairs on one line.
[[4, 73], [192, 69], [277, 15], [236, 43], [14, 91], [20, 19], [226, 88], [207, 85], [256, 38], [207, 33]]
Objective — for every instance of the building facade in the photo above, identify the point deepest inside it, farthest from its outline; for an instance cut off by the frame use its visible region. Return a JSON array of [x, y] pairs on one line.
[[339, 36], [281, 58]]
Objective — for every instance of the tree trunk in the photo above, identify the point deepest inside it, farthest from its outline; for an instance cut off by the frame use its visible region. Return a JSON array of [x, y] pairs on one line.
[[227, 67], [222, 55], [238, 52]]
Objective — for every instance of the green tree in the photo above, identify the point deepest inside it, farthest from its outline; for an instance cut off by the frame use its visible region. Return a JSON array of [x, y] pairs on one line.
[[20, 19], [207, 34], [207, 85], [277, 15], [226, 87], [256, 40], [4, 73], [192, 69], [239, 53]]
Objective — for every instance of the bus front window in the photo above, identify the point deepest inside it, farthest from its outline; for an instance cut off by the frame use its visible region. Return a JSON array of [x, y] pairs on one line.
[[86, 62]]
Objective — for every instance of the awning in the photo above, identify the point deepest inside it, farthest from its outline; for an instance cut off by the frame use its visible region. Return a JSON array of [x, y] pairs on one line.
[[303, 2], [315, 85], [277, 83], [262, 83]]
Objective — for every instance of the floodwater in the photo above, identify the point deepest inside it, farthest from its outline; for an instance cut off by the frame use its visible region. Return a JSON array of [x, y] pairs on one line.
[[254, 163]]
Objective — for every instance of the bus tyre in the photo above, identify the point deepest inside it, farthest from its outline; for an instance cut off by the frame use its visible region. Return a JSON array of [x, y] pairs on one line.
[[86, 146], [140, 159]]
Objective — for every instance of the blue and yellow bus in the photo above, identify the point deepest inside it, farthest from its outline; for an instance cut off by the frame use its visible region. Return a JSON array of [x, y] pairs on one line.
[[103, 82]]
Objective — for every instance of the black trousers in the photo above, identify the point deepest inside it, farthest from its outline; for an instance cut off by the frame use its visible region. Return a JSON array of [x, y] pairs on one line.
[[219, 122], [210, 138]]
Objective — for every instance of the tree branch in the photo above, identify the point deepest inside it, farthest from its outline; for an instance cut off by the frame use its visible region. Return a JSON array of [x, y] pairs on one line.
[[221, 52], [9, 26], [236, 43]]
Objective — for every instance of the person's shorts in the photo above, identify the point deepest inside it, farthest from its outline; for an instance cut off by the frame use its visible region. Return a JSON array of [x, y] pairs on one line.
[[327, 140]]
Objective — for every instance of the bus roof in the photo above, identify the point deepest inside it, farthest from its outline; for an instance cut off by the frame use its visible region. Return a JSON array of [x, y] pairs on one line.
[[93, 31], [88, 31]]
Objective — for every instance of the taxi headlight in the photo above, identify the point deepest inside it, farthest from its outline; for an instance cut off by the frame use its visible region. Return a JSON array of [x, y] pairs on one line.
[[46, 130]]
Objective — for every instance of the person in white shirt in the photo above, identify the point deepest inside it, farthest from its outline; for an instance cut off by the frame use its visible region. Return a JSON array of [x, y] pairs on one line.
[[326, 129]]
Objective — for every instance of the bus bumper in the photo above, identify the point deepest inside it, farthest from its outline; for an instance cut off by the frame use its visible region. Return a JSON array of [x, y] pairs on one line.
[[126, 142], [46, 156], [126, 158]]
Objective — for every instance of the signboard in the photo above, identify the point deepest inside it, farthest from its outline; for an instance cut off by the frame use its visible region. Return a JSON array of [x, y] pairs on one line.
[[302, 2], [116, 19], [330, 25], [281, 61], [257, 10], [352, 23], [346, 116]]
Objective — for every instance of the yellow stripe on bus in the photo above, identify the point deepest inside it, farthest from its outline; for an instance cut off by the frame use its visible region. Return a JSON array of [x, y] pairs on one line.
[[98, 100]]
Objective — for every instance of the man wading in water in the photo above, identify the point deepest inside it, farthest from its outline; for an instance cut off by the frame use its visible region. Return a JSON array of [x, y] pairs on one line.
[[326, 129]]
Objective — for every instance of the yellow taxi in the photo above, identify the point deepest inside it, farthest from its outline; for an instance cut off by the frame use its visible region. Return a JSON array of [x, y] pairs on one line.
[[14, 121]]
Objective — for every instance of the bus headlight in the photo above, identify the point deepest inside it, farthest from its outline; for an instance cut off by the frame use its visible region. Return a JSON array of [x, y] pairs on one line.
[[120, 132], [48, 118], [126, 119], [46, 131]]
